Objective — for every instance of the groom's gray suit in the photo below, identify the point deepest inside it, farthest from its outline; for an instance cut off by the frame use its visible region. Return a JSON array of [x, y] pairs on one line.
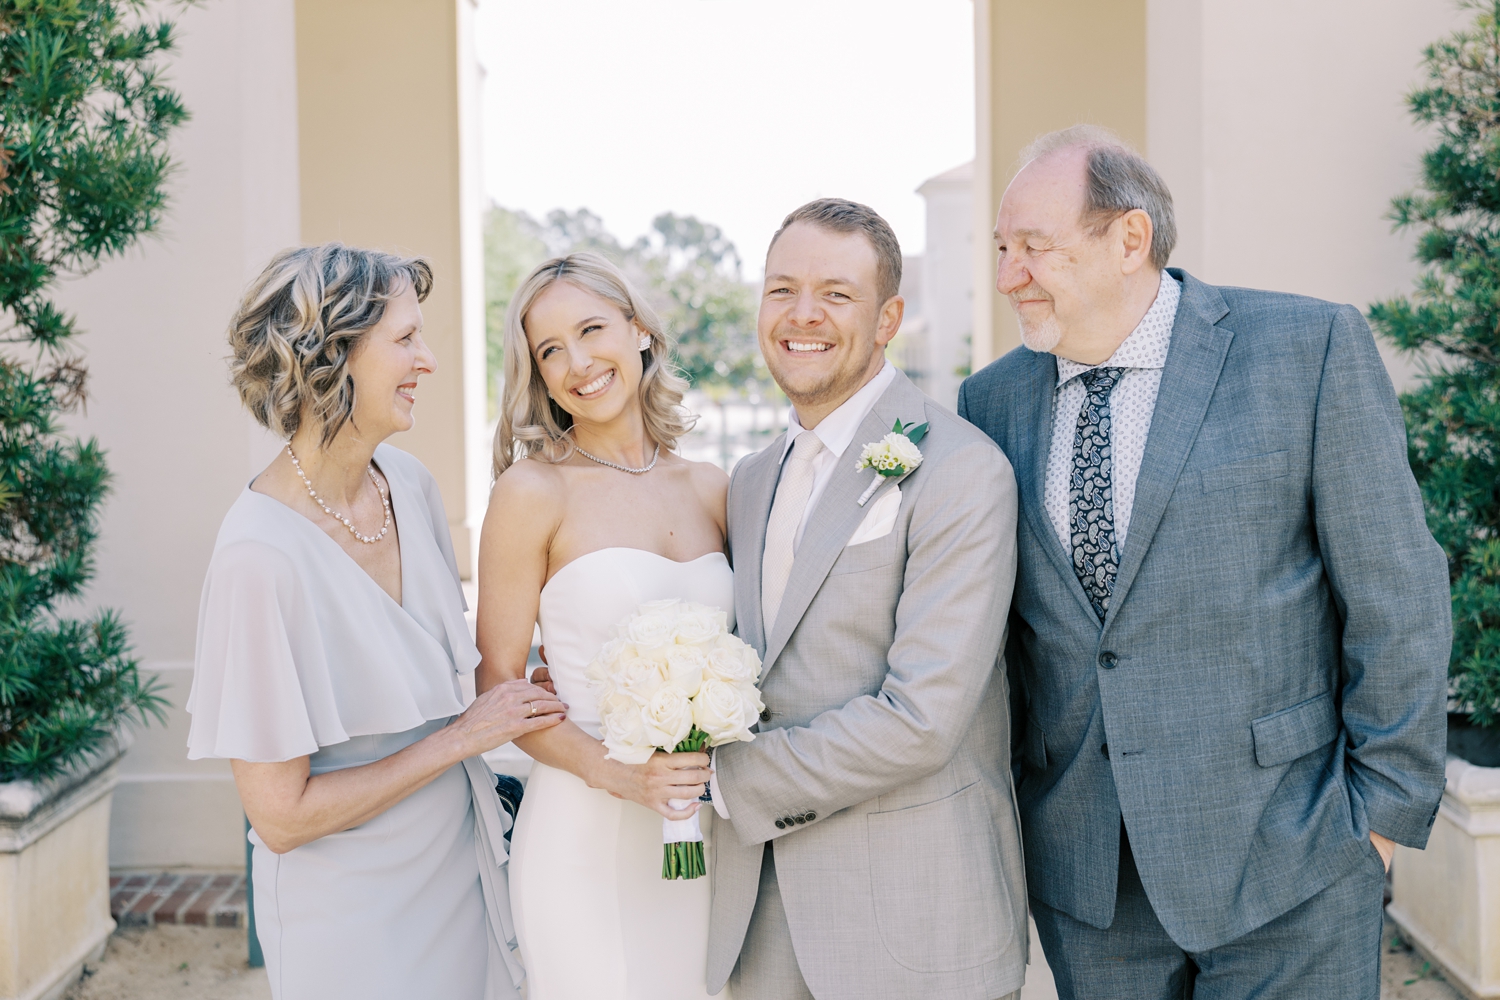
[[880, 777], [1268, 685]]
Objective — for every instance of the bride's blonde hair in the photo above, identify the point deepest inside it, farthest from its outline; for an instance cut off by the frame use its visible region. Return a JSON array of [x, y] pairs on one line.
[[532, 425]]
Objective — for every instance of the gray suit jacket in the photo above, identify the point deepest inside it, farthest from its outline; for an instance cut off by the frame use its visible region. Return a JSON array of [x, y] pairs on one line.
[[883, 773], [1270, 682]]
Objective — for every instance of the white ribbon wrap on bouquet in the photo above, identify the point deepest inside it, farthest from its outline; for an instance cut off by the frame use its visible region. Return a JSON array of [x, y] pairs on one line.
[[681, 831]]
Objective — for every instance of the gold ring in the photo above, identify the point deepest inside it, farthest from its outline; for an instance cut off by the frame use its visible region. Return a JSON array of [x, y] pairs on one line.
[[533, 708]]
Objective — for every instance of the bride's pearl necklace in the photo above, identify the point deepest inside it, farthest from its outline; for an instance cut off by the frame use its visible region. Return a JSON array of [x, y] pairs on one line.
[[623, 468], [369, 471]]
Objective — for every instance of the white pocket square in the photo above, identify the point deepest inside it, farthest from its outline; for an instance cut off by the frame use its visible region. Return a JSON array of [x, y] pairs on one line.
[[879, 519]]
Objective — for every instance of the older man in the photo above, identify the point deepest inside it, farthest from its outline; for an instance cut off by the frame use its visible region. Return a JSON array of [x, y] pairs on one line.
[[1231, 625]]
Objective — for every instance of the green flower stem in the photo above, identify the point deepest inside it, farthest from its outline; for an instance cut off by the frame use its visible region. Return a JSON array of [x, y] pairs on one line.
[[696, 741], [685, 859]]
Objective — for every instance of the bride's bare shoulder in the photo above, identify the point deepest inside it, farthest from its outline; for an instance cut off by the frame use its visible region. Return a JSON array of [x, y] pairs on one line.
[[528, 489], [710, 484], [706, 476]]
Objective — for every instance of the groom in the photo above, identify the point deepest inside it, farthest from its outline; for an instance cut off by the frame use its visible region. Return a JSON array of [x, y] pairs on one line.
[[1231, 625], [871, 849]]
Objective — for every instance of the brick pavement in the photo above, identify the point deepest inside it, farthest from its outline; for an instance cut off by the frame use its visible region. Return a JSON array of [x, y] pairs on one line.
[[202, 899]]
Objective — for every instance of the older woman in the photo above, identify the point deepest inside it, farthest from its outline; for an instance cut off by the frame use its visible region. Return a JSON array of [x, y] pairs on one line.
[[330, 639]]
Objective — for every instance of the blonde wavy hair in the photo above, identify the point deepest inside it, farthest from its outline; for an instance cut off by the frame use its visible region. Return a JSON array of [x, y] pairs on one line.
[[532, 425], [299, 323]]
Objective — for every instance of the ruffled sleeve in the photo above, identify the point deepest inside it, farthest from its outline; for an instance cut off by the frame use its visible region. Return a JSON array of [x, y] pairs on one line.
[[261, 689]]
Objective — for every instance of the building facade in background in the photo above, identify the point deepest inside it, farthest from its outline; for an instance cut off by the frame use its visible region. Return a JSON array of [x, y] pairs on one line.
[[948, 280], [1280, 127]]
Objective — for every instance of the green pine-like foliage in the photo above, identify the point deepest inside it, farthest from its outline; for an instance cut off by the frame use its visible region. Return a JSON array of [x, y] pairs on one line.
[[84, 120], [1453, 321]]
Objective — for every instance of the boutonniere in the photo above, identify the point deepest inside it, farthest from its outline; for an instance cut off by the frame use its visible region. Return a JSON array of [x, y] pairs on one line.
[[894, 455]]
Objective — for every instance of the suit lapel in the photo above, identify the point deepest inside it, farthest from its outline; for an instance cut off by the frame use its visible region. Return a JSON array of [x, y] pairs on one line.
[[1032, 453], [1194, 360], [837, 515], [757, 489]]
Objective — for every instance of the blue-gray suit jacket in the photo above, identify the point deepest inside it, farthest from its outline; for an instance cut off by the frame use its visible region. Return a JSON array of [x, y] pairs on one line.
[[1271, 679]]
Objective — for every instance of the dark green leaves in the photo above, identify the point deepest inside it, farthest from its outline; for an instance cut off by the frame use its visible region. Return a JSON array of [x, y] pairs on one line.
[[84, 119], [914, 433], [1453, 318]]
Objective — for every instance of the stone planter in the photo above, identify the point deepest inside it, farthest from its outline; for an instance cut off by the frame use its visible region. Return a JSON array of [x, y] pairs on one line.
[[54, 877], [1446, 899]]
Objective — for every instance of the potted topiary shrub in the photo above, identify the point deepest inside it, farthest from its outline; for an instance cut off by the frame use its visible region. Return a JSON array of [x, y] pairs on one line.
[[83, 124], [1446, 899]]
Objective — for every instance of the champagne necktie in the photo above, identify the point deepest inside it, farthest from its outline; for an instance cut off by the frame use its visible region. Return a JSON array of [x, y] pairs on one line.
[[781, 530]]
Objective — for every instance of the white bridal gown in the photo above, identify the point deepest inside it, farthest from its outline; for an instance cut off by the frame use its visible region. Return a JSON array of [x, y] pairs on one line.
[[594, 918], [300, 653]]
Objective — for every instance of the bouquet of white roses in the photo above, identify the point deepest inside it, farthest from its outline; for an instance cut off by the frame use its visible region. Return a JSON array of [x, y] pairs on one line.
[[675, 679]]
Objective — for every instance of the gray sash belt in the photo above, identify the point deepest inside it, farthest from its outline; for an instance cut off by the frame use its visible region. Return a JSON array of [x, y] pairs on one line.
[[490, 826]]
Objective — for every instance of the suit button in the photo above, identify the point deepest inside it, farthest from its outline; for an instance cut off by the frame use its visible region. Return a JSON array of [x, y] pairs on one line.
[[765, 715], [811, 816], [1104, 749], [781, 824], [799, 820], [1107, 660]]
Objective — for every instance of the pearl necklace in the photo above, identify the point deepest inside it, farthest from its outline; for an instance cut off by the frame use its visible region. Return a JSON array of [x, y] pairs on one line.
[[369, 471], [622, 468]]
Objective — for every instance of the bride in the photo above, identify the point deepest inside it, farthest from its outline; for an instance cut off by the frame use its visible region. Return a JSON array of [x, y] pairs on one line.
[[593, 514]]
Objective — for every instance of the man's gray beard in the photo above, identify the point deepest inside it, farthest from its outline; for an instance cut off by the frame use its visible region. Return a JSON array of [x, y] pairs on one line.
[[1040, 337]]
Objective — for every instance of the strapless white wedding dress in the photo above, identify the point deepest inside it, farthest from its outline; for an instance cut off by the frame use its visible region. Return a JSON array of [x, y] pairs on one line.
[[594, 918]]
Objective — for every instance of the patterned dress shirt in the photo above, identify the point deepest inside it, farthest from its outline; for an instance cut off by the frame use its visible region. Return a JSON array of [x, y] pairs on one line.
[[1131, 405]]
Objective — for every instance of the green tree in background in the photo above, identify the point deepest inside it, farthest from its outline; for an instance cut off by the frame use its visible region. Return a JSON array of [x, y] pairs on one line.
[[1453, 317], [512, 247], [686, 268], [693, 279], [84, 120]]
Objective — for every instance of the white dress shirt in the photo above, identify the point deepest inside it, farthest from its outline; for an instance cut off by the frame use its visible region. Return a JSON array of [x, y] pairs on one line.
[[1131, 405], [836, 431]]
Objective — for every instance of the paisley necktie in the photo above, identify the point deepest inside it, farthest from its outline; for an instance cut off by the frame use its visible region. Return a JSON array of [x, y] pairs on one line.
[[1091, 494]]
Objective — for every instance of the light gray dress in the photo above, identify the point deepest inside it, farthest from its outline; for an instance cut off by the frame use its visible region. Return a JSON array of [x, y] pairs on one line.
[[299, 653]]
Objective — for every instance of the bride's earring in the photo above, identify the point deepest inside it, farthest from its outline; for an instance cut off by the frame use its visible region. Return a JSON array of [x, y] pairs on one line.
[[645, 343]]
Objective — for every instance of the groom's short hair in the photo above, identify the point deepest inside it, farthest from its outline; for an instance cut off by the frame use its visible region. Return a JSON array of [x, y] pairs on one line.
[[840, 215], [1119, 180]]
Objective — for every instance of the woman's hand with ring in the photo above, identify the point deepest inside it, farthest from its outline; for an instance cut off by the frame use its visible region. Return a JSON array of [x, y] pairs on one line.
[[504, 712]]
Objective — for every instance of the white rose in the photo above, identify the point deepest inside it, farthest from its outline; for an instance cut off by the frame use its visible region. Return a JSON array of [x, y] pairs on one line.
[[699, 625], [649, 630], [726, 711], [624, 729], [668, 717], [639, 676], [903, 451], [685, 667], [733, 661], [598, 676]]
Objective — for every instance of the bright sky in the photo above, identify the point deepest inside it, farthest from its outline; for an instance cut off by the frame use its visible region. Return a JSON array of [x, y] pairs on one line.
[[736, 111]]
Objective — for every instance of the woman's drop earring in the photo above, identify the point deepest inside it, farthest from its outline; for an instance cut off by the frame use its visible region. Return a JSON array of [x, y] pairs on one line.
[[645, 343]]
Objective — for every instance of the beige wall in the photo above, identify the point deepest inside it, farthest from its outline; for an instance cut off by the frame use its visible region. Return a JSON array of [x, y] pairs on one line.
[[179, 445], [1279, 125], [379, 134], [1283, 147], [1040, 67], [365, 147]]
